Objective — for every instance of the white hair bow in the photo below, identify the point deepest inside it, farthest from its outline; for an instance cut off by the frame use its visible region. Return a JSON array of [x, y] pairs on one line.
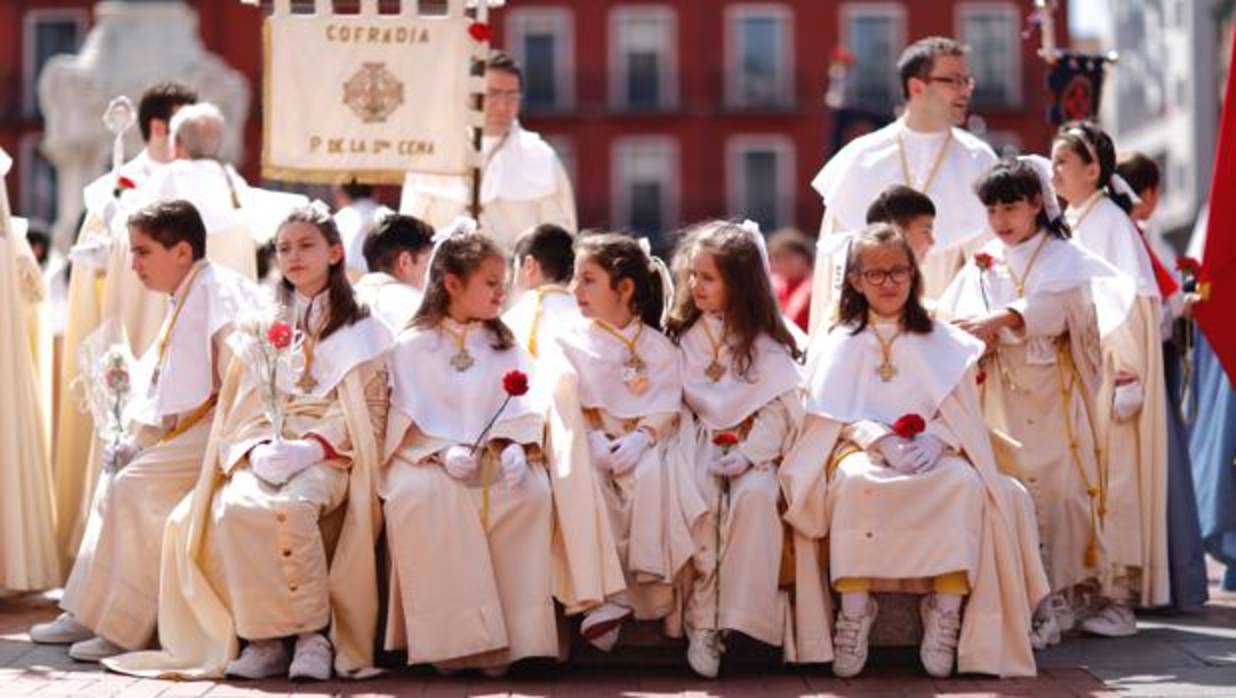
[[667, 278], [319, 207], [1042, 168], [1120, 185], [753, 229], [462, 225]]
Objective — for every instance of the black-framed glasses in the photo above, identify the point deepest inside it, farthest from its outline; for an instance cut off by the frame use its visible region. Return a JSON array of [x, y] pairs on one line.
[[957, 82], [878, 277]]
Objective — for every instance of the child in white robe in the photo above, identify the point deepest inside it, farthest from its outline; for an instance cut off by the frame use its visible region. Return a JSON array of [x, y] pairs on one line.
[[397, 256], [1028, 296], [909, 499], [111, 597], [468, 511], [544, 258], [741, 376], [629, 389], [276, 540], [1131, 412]]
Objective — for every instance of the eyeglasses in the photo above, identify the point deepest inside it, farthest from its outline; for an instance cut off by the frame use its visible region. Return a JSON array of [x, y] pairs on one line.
[[506, 95], [957, 82], [878, 277]]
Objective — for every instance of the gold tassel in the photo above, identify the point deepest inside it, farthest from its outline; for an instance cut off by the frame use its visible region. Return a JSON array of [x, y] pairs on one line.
[[1092, 552]]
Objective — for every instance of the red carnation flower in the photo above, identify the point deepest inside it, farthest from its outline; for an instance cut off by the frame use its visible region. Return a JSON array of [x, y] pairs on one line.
[[908, 426], [280, 335], [725, 440], [1188, 265], [983, 261], [515, 383], [980, 377], [123, 182], [480, 31]]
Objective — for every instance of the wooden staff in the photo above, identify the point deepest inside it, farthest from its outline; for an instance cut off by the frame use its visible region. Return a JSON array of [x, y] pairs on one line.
[[478, 70]]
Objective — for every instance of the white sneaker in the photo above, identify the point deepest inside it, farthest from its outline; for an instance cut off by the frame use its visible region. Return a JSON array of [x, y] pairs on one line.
[[65, 630], [261, 659], [940, 631], [850, 641], [94, 649], [312, 658], [1045, 630], [704, 652], [603, 624], [1113, 620]]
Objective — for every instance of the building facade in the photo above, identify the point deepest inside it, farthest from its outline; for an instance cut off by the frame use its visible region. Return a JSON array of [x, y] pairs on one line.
[[664, 111]]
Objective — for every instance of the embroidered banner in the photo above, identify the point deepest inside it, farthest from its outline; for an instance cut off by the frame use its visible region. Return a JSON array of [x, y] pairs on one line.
[[371, 96]]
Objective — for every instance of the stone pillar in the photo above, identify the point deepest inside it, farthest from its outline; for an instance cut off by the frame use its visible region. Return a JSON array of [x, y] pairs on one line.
[[132, 45]]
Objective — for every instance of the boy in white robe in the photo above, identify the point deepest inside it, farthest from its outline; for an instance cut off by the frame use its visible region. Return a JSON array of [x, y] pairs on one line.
[[111, 598], [925, 149], [103, 287], [544, 259], [397, 255]]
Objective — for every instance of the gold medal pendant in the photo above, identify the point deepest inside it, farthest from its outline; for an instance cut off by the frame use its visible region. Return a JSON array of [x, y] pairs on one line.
[[715, 371], [887, 371], [462, 360], [634, 375]]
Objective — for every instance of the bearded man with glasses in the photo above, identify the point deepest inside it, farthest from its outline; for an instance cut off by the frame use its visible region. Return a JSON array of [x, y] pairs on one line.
[[924, 149]]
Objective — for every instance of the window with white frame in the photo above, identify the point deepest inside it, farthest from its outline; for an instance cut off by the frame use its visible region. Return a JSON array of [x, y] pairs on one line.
[[760, 179], [38, 181], [542, 40], [759, 49], [875, 34], [645, 173], [991, 31], [45, 34], [643, 67]]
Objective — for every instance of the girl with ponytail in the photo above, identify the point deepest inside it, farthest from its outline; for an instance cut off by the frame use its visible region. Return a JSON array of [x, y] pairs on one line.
[[1131, 402]]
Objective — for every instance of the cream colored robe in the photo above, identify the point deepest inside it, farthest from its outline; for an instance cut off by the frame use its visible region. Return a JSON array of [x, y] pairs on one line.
[[1008, 581], [29, 556], [197, 629], [461, 593], [750, 598], [1134, 453]]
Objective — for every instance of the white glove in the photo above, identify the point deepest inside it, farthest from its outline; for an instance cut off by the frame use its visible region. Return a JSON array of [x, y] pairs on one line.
[[599, 446], [118, 454], [93, 253], [627, 450], [893, 449], [459, 462], [514, 465], [923, 452], [277, 462], [1127, 401], [731, 465]]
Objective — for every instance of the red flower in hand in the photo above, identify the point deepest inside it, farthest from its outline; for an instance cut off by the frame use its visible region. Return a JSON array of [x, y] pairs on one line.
[[983, 261], [280, 335], [725, 440], [123, 182], [1188, 265], [908, 426], [480, 31], [515, 383]]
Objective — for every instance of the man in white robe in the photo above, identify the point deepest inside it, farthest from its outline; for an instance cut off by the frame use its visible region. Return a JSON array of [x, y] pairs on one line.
[[397, 253], [924, 149], [111, 598], [357, 216], [103, 288], [523, 184]]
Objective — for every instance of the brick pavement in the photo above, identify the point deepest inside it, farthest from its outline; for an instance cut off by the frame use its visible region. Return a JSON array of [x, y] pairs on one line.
[[1174, 655]]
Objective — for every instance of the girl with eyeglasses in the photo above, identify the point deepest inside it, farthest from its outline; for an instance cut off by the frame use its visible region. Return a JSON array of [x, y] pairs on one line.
[[1028, 295], [909, 497], [1132, 410]]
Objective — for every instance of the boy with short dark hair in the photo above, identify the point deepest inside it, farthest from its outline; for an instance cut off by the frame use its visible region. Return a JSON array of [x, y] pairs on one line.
[[544, 263], [397, 255]]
